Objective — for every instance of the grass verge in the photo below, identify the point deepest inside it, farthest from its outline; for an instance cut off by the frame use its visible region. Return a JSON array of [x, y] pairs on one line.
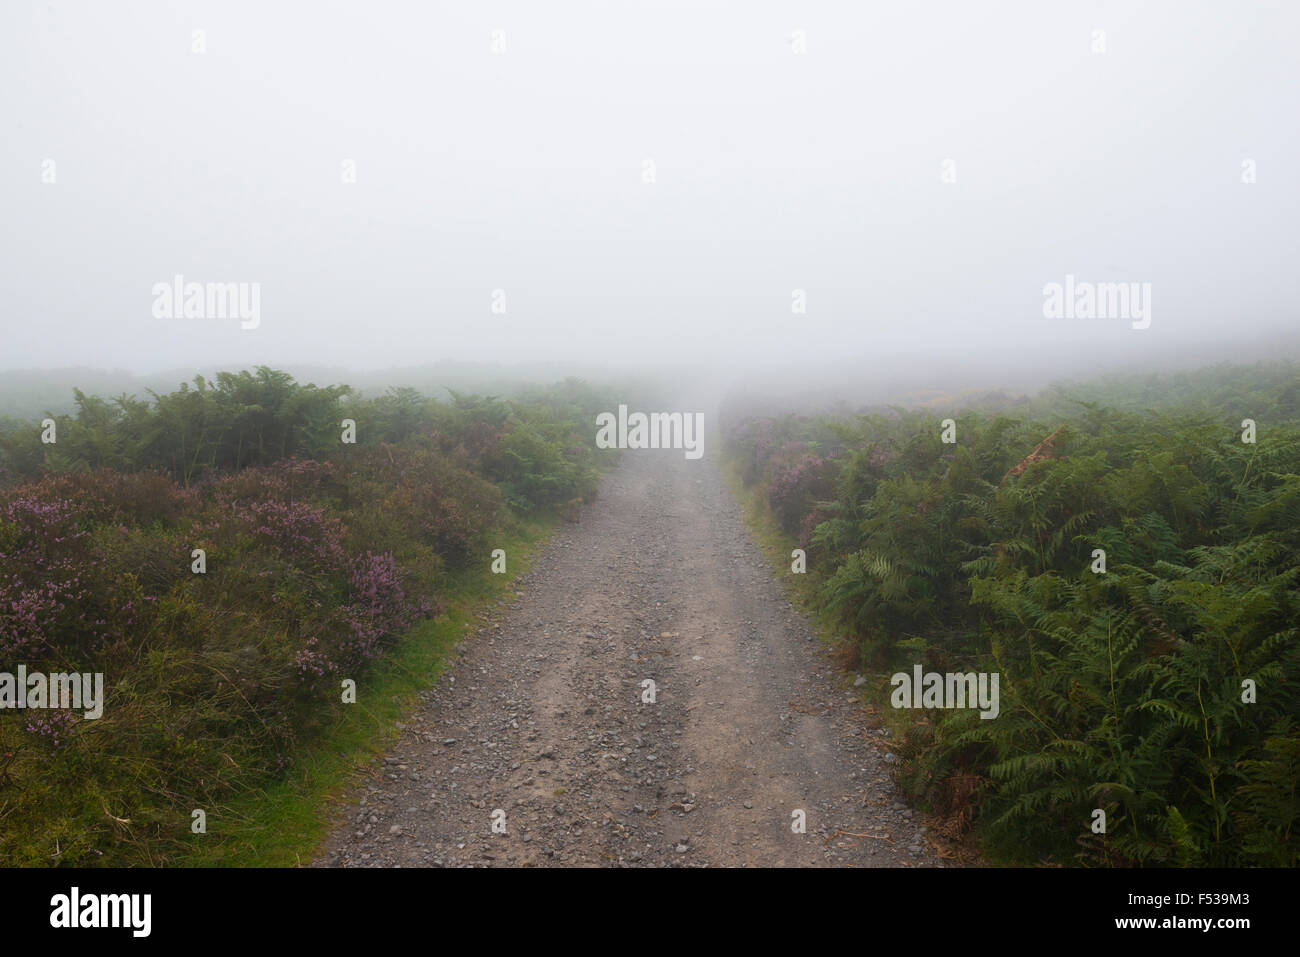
[[283, 825], [776, 545]]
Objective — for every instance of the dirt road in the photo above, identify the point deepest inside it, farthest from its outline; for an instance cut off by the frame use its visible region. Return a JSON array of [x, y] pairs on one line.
[[542, 716]]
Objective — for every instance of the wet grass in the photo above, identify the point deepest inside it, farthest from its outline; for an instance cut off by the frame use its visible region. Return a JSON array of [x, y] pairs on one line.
[[284, 824]]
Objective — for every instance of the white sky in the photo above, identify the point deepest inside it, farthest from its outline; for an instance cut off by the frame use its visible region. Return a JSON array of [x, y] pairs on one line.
[[523, 171]]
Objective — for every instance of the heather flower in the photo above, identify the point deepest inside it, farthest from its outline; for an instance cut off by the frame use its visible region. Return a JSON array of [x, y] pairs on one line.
[[53, 727]]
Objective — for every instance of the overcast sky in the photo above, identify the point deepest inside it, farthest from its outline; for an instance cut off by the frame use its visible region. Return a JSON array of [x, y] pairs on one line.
[[523, 169]]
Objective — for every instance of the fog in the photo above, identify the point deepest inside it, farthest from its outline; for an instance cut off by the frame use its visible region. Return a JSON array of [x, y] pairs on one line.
[[863, 193]]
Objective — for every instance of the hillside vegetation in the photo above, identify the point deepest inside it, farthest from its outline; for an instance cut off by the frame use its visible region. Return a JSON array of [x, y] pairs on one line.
[[320, 557], [1120, 690]]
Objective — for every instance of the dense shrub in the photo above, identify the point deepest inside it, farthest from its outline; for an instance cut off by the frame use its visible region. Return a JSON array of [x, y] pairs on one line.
[[319, 558], [796, 485], [1121, 690]]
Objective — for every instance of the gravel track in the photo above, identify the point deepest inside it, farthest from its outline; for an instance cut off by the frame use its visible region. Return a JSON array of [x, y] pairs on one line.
[[540, 715]]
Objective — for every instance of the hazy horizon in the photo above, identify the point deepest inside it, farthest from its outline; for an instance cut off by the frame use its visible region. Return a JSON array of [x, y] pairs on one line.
[[649, 435], [914, 177]]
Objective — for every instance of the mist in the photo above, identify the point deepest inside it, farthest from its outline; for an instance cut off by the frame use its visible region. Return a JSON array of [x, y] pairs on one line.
[[589, 434], [799, 192]]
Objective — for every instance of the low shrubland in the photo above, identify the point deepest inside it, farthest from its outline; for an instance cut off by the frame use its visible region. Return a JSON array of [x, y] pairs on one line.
[[227, 562], [1161, 690]]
